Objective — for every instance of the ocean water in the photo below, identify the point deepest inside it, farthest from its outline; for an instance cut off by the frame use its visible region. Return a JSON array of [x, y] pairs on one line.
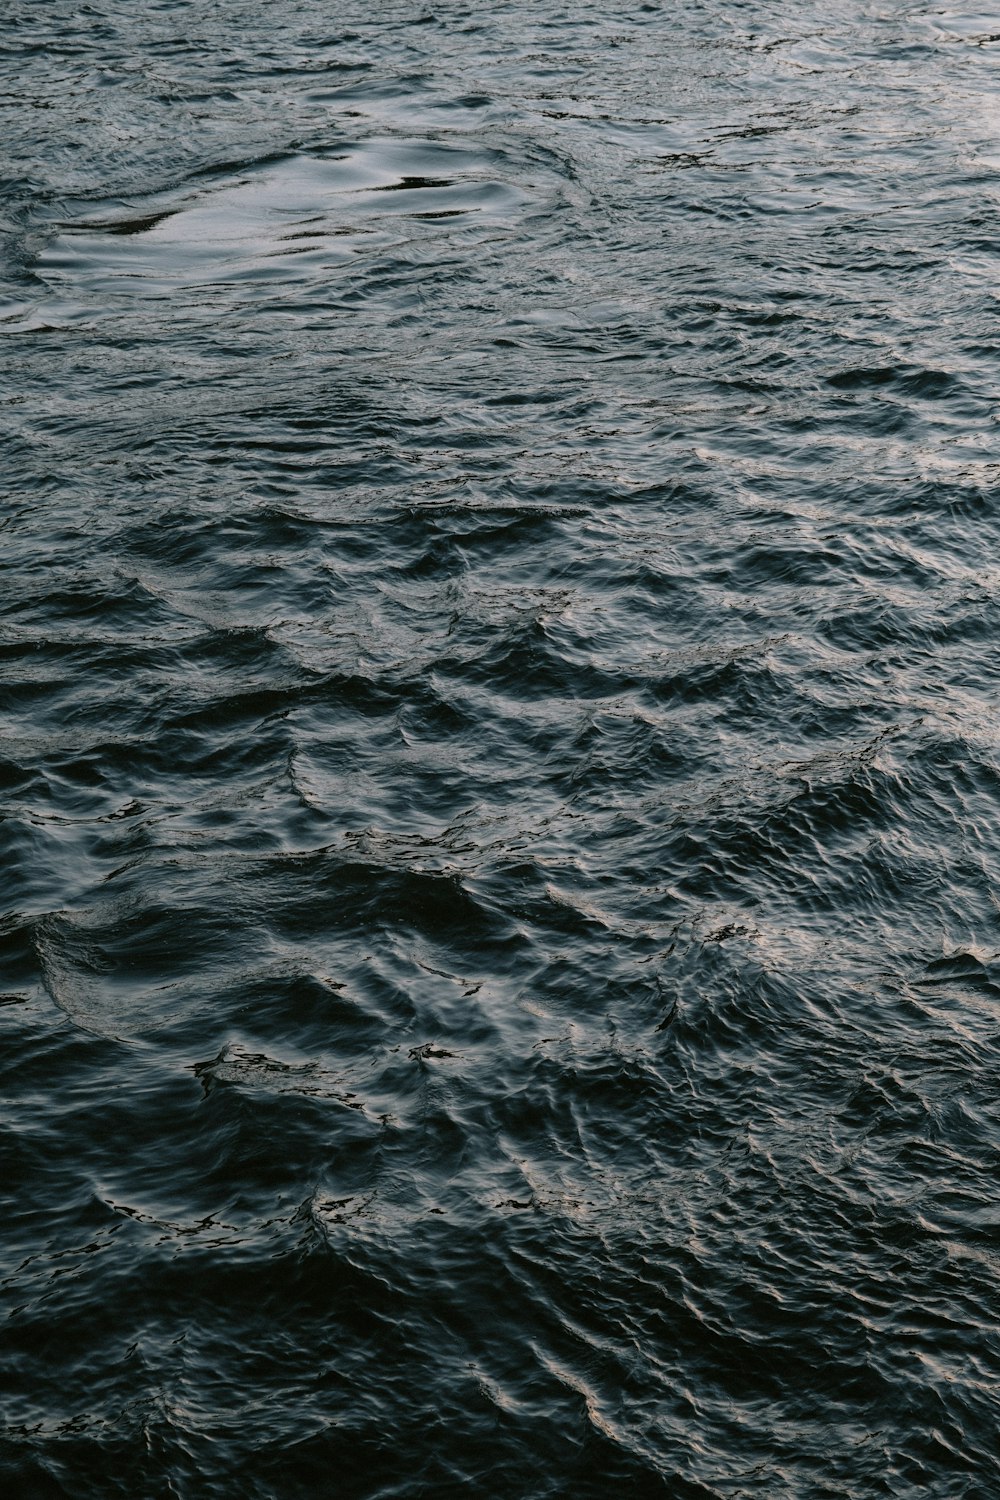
[[500, 937]]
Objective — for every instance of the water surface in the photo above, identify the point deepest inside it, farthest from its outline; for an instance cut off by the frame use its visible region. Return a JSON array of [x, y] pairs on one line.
[[501, 953]]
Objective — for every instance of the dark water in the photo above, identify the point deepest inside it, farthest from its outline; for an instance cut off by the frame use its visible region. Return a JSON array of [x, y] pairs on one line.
[[501, 989]]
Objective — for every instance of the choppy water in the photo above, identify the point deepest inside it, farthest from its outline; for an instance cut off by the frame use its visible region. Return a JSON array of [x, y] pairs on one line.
[[501, 989]]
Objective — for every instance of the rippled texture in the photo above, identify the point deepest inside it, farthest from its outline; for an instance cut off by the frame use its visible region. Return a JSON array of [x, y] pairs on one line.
[[499, 743]]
